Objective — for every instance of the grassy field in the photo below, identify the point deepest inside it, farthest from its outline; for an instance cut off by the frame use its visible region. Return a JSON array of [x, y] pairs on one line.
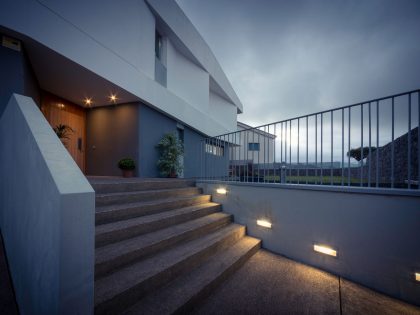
[[313, 179]]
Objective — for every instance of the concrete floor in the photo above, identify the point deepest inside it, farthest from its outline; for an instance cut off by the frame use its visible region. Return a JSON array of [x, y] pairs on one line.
[[271, 284]]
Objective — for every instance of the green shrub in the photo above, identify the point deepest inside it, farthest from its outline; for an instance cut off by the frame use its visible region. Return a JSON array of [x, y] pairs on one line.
[[170, 149], [127, 164]]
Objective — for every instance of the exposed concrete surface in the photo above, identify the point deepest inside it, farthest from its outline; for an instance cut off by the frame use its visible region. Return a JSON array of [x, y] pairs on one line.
[[7, 297], [272, 284], [356, 299]]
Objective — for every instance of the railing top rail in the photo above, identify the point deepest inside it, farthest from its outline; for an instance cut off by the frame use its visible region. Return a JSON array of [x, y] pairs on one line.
[[320, 112]]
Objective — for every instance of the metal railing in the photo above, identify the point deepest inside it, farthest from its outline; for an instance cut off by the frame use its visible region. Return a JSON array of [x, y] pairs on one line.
[[368, 144]]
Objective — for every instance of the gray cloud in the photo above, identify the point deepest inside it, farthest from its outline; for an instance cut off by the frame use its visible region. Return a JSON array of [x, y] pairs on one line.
[[288, 58]]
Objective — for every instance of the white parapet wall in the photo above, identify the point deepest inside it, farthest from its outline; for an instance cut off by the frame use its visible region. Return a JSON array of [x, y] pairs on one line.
[[375, 233], [47, 210]]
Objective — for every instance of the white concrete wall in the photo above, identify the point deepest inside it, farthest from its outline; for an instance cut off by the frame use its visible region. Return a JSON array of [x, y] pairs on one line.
[[47, 210], [375, 231], [116, 42], [186, 79], [221, 110]]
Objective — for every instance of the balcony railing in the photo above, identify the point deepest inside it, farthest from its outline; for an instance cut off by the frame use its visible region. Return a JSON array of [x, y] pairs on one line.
[[368, 144]]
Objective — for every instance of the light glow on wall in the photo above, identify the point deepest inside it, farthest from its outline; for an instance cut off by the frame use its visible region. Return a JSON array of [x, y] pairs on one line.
[[417, 276], [221, 191], [264, 223], [325, 250], [113, 98]]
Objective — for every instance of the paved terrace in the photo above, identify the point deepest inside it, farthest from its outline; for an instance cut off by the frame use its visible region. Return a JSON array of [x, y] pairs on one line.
[[272, 284]]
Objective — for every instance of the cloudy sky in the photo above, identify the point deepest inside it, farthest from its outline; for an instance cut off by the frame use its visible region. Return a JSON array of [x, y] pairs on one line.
[[287, 58]]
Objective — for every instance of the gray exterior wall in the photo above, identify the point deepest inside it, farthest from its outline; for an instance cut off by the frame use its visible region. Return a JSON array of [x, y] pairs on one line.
[[16, 76], [376, 232], [152, 127], [112, 134], [47, 210]]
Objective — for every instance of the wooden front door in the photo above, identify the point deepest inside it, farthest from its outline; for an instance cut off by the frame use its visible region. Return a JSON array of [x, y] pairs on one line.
[[59, 111]]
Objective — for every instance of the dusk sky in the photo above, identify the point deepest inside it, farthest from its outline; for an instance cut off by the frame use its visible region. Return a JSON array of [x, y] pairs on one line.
[[287, 58]]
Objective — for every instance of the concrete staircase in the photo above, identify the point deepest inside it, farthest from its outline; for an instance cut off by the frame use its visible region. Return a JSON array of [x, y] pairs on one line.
[[161, 246]]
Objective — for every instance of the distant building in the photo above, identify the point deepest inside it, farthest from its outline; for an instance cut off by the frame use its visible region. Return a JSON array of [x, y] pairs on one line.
[[252, 145]]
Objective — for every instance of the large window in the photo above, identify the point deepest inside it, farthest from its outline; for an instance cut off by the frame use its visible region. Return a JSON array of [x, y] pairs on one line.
[[214, 149], [253, 146]]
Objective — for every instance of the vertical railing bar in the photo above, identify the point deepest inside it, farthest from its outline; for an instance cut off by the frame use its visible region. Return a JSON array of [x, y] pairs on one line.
[[377, 143], [322, 150], [370, 144], [392, 142], [332, 147], [361, 144], [247, 155], [259, 152], [349, 148], [342, 147], [298, 151], [274, 153], [307, 150], [253, 154], [265, 153], [268, 152], [409, 143], [418, 140], [290, 149], [316, 149]]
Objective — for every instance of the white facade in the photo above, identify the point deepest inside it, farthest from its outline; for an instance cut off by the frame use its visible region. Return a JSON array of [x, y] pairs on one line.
[[116, 41], [253, 146]]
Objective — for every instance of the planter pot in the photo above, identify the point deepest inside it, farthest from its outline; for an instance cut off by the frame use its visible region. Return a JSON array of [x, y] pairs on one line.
[[128, 173]]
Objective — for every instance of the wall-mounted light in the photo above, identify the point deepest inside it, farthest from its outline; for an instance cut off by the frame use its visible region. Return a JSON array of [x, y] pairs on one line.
[[88, 101], [221, 191], [325, 250], [264, 223], [417, 276], [60, 105]]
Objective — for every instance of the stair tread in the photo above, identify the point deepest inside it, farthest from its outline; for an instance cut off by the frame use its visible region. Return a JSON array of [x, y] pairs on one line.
[[114, 250], [176, 293], [128, 277], [116, 207], [146, 192], [146, 219]]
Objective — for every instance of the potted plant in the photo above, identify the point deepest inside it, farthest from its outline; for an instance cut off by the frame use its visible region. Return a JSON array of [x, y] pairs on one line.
[[127, 165], [170, 149], [63, 132]]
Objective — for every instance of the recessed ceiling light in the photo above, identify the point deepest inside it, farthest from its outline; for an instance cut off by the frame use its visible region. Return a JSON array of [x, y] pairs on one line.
[[113, 97], [88, 101]]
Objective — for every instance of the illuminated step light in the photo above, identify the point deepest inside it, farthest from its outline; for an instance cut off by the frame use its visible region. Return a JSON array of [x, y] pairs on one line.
[[325, 250], [264, 223], [221, 191], [417, 276]]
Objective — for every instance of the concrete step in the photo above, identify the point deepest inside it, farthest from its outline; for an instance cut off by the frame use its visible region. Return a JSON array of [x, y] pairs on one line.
[[183, 293], [145, 195], [122, 289], [113, 256], [107, 214], [125, 185]]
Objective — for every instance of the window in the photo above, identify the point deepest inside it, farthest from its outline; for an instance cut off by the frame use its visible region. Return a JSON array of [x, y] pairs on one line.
[[253, 146], [215, 149], [158, 45]]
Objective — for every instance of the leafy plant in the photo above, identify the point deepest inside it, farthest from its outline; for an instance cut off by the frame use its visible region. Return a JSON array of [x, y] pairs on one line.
[[63, 131], [357, 153], [170, 149], [127, 164]]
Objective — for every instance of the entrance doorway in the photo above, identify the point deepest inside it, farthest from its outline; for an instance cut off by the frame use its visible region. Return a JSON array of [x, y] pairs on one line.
[[58, 112]]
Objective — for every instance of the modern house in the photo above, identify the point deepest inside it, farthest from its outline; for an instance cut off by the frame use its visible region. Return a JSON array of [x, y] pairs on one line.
[[120, 86], [118, 76]]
